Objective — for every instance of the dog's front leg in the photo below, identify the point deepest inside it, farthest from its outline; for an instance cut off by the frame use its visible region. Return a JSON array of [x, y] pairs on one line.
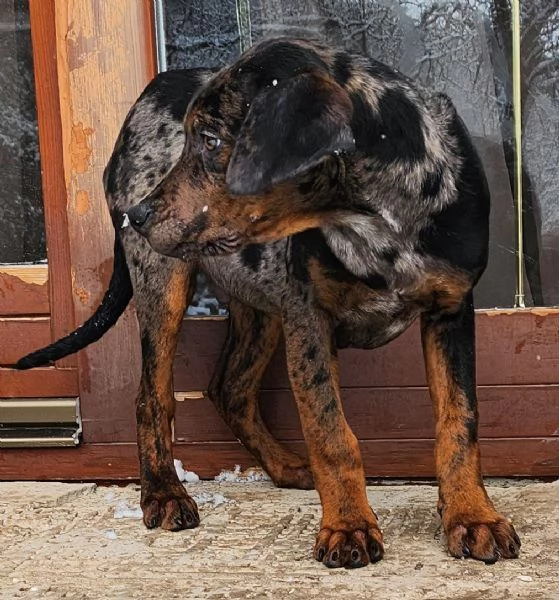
[[349, 533], [162, 288], [472, 525]]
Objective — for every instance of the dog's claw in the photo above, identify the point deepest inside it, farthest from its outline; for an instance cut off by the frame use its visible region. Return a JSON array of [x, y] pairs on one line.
[[487, 542], [351, 550]]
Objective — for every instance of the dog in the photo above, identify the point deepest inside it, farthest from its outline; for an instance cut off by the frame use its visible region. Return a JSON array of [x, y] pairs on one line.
[[336, 202]]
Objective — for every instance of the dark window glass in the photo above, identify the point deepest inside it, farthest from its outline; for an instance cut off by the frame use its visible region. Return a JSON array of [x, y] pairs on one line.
[[540, 119], [459, 47], [22, 230]]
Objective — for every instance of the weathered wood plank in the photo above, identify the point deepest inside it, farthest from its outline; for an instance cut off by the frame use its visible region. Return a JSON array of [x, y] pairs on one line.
[[38, 383], [23, 335], [526, 457], [388, 413], [513, 348]]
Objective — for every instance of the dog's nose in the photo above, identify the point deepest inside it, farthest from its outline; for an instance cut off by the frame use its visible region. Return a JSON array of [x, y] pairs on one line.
[[139, 214]]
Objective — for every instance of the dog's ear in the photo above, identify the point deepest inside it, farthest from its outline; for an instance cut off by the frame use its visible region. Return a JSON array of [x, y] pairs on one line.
[[290, 127]]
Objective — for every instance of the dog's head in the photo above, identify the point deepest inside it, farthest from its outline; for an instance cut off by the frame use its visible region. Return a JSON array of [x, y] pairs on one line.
[[257, 137]]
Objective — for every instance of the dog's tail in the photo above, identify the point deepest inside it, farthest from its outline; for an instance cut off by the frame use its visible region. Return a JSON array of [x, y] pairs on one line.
[[115, 301]]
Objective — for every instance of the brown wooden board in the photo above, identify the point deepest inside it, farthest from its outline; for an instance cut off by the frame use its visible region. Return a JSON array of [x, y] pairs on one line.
[[20, 297], [38, 383], [24, 335], [55, 197], [525, 457], [105, 58], [513, 348], [388, 413]]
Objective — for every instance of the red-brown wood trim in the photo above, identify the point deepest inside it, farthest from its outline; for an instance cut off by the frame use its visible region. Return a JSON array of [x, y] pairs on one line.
[[517, 347], [24, 335], [21, 297], [526, 457], [387, 413], [38, 383], [149, 36], [43, 36]]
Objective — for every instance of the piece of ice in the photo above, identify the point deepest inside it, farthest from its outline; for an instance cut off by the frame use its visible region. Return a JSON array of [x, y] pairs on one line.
[[526, 578], [110, 496], [193, 311], [210, 497], [238, 476], [179, 469], [123, 511], [191, 477], [111, 534], [183, 474]]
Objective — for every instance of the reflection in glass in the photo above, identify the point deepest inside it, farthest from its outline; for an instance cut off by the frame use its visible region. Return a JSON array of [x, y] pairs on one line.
[[540, 119], [461, 47], [22, 231]]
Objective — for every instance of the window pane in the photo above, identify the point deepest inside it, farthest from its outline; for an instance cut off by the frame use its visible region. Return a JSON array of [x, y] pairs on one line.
[[22, 230], [453, 46], [449, 46], [200, 33], [540, 118]]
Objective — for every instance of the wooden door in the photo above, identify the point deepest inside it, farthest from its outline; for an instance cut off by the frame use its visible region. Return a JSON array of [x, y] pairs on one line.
[[91, 61]]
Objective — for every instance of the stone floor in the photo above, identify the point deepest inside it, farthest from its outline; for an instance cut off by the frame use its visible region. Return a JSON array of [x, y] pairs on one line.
[[87, 542]]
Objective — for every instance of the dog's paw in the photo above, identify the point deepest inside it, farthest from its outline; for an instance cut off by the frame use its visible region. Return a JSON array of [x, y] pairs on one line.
[[172, 510], [483, 541], [349, 549]]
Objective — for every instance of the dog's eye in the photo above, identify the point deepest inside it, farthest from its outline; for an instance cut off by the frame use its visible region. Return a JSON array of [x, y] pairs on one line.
[[211, 142]]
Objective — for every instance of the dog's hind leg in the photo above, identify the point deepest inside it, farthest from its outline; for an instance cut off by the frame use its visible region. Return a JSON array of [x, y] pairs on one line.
[[472, 525], [162, 289], [251, 340]]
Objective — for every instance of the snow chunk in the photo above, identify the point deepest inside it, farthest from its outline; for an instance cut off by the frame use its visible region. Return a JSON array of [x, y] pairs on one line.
[[124, 511], [237, 476], [208, 497], [184, 475], [110, 534]]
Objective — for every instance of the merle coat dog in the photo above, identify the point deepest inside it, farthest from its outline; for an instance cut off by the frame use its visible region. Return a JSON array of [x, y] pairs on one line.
[[335, 202]]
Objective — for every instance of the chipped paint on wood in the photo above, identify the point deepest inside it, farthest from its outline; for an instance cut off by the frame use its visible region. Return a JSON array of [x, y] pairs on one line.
[[80, 293], [80, 148], [534, 311], [82, 202], [105, 59]]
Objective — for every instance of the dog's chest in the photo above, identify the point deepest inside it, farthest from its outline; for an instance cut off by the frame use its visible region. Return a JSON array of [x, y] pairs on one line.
[[366, 314]]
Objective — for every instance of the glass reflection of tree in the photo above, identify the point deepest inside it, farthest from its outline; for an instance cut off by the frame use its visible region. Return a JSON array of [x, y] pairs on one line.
[[449, 23]]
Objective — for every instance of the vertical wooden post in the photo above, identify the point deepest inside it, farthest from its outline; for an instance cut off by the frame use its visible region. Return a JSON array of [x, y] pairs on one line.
[[106, 56]]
